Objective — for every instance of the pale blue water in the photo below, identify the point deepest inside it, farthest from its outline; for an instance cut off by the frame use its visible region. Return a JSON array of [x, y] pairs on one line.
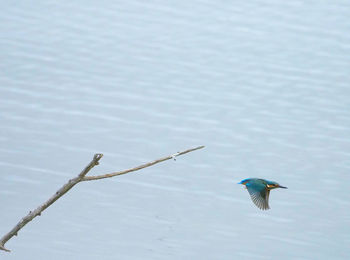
[[264, 85]]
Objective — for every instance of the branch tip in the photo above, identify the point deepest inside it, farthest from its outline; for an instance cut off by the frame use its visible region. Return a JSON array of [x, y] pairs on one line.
[[98, 156], [5, 249]]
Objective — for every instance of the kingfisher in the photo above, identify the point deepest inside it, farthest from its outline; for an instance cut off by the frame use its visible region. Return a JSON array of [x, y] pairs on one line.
[[259, 191]]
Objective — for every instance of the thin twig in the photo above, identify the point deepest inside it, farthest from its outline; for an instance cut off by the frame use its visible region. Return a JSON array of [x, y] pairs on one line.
[[109, 175]]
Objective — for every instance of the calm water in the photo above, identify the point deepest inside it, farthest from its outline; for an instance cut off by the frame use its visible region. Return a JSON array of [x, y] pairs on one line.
[[264, 85]]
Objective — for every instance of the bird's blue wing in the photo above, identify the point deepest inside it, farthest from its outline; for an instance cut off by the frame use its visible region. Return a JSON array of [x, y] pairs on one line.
[[259, 195]]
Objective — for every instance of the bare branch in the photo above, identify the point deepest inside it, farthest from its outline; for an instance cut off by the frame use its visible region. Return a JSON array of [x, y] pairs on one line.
[[37, 212], [71, 183], [109, 175]]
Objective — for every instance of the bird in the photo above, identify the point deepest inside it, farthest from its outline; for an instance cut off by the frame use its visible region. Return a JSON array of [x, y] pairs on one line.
[[259, 191]]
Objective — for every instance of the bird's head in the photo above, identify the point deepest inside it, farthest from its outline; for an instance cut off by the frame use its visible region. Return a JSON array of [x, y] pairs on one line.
[[243, 182]]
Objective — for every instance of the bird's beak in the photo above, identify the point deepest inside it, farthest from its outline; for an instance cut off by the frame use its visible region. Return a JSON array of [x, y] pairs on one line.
[[282, 187]]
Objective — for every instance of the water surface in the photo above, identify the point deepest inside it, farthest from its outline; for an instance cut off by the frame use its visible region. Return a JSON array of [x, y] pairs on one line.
[[264, 85]]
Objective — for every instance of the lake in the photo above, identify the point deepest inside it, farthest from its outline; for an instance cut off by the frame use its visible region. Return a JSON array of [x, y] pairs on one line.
[[264, 85]]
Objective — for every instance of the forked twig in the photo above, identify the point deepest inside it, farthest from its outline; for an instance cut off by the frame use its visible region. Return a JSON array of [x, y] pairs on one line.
[[71, 183]]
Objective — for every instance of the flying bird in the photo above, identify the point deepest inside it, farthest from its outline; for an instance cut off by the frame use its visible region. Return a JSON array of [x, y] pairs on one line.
[[259, 191]]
